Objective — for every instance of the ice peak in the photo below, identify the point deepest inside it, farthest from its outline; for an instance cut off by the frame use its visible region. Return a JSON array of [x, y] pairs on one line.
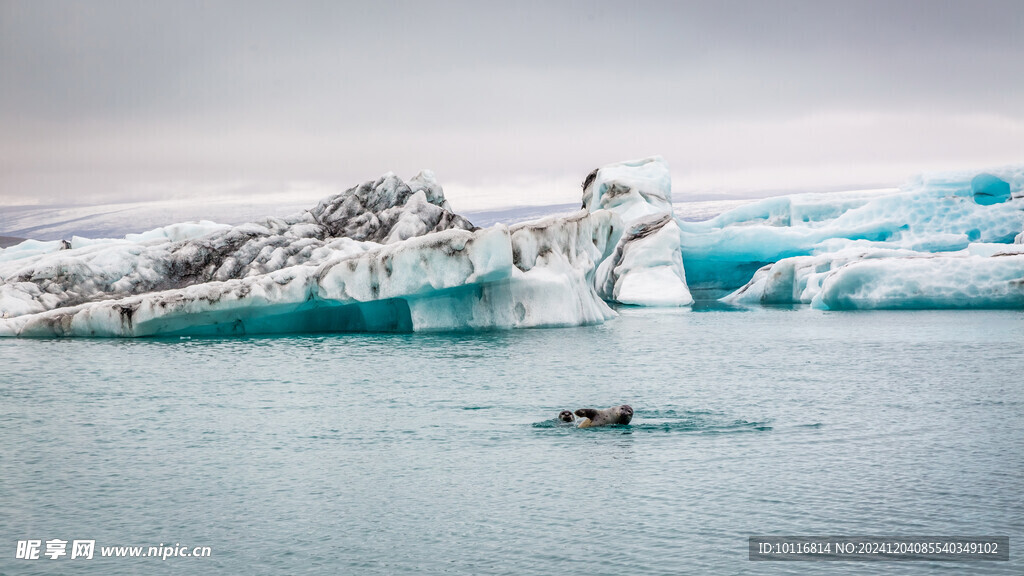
[[373, 209], [634, 188]]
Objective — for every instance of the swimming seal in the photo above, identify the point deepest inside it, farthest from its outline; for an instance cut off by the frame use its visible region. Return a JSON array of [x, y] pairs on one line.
[[566, 416], [609, 416]]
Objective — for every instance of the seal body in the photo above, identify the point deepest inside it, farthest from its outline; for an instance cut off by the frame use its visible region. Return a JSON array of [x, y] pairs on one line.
[[615, 415]]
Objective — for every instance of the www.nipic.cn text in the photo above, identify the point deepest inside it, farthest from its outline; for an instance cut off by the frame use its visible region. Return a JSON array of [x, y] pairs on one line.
[[86, 549]]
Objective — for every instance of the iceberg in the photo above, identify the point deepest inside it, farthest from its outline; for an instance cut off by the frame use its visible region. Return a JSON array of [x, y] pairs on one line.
[[647, 266], [932, 214], [43, 276], [386, 255], [390, 255], [869, 277]]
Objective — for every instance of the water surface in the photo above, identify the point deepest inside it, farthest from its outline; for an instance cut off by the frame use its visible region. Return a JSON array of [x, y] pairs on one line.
[[430, 454]]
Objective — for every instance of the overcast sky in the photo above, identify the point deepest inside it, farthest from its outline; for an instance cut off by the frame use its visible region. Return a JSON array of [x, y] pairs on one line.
[[508, 102]]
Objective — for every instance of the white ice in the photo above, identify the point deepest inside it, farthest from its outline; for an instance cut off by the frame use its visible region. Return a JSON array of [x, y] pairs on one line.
[[936, 243], [390, 255], [646, 268], [866, 276], [931, 214], [383, 256]]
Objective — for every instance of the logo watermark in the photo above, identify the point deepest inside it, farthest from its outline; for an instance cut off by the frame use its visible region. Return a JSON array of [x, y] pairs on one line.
[[86, 549]]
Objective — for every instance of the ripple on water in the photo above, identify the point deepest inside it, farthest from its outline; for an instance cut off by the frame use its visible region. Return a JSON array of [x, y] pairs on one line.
[[673, 421]]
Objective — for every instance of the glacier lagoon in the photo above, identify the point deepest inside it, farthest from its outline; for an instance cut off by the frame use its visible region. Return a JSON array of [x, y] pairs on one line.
[[435, 453], [764, 404]]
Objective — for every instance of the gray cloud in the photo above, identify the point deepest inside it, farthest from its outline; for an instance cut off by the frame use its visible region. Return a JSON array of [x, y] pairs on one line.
[[109, 99]]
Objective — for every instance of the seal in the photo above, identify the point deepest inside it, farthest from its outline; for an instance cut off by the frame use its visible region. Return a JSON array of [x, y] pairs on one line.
[[566, 416], [590, 417]]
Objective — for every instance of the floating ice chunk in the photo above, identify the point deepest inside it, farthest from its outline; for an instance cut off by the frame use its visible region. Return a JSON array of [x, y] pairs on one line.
[[980, 276], [798, 279], [920, 283], [934, 213], [291, 275], [647, 266]]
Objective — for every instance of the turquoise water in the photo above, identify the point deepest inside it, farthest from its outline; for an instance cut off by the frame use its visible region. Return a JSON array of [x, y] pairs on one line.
[[430, 454]]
